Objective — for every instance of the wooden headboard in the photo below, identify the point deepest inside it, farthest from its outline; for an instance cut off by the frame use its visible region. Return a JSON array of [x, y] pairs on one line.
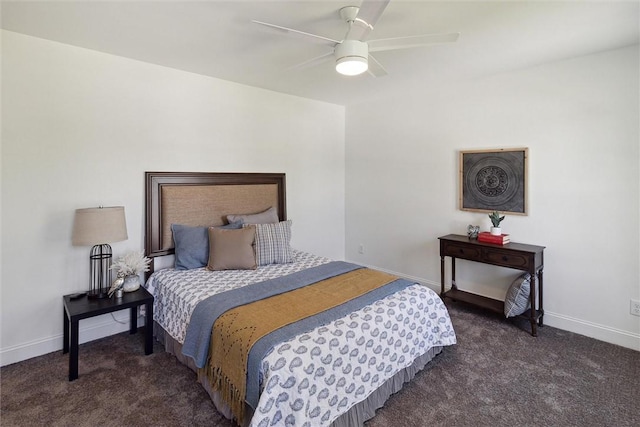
[[204, 199]]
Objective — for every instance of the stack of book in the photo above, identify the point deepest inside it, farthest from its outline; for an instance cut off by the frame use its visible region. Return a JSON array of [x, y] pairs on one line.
[[486, 237]]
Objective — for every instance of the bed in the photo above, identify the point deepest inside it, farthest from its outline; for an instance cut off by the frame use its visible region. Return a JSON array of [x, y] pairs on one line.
[[333, 340]]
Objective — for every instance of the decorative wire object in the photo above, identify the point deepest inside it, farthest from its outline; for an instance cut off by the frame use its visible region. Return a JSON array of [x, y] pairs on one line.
[[100, 272]]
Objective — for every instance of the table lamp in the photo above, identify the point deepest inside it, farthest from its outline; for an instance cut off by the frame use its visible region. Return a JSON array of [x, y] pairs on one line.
[[98, 227]]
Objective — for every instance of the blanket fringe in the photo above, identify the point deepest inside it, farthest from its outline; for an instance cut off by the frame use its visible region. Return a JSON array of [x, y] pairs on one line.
[[228, 392]]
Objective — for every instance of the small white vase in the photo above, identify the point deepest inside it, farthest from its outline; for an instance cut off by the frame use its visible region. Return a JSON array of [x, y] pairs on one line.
[[496, 231], [131, 283]]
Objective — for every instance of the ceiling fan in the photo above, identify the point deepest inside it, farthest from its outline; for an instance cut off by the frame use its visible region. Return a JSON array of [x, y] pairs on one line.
[[353, 54]]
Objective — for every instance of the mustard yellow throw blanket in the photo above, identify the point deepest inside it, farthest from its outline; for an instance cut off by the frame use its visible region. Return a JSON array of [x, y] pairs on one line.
[[235, 332]]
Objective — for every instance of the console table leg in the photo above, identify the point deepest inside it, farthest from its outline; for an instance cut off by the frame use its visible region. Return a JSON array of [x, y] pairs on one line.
[[453, 274], [540, 321], [441, 276], [532, 302]]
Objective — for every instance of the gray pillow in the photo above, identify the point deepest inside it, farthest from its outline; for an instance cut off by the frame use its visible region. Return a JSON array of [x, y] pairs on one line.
[[233, 225], [270, 216], [517, 299], [192, 245], [232, 249]]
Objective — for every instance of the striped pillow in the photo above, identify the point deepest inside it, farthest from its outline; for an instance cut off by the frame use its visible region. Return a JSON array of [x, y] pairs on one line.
[[273, 243], [517, 300]]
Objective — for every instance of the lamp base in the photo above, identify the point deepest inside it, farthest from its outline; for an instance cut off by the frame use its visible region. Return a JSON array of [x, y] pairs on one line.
[[97, 295], [100, 271]]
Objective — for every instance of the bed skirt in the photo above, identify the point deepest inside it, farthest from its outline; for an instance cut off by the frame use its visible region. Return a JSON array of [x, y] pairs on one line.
[[356, 416]]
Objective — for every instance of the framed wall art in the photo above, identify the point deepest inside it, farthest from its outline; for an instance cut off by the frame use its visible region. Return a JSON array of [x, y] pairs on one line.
[[494, 180]]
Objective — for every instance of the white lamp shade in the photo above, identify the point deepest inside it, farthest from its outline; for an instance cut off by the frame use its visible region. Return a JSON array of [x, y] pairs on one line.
[[94, 226]]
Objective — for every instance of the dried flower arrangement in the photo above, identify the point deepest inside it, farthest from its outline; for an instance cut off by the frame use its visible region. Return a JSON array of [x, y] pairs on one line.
[[132, 263]]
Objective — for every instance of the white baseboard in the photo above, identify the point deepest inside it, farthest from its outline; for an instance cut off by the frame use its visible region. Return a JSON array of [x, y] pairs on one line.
[[583, 327], [593, 330], [101, 329], [110, 327]]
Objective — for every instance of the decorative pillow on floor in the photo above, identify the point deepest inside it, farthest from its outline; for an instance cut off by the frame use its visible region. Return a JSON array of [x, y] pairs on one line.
[[232, 249], [273, 243], [517, 299]]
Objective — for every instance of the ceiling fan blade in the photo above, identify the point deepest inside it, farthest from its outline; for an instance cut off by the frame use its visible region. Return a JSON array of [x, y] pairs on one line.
[[368, 15], [411, 41], [375, 68], [311, 62], [300, 34]]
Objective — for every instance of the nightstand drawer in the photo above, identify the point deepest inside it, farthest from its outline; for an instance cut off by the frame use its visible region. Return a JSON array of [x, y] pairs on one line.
[[507, 259], [461, 251]]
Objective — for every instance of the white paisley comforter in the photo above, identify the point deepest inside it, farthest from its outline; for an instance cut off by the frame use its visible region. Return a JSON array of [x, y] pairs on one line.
[[177, 292], [313, 378]]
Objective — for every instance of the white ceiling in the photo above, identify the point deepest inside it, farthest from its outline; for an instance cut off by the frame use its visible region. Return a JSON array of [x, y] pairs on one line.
[[216, 38]]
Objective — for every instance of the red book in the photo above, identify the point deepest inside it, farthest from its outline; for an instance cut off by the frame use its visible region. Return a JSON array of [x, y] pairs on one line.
[[487, 237]]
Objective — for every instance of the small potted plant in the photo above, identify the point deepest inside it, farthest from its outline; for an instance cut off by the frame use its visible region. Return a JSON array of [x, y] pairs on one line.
[[130, 266], [496, 219]]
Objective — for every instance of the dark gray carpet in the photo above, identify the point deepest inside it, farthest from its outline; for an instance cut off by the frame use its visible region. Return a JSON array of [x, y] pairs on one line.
[[497, 375]]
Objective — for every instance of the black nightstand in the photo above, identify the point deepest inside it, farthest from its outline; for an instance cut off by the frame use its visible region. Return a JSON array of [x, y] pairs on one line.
[[84, 308]]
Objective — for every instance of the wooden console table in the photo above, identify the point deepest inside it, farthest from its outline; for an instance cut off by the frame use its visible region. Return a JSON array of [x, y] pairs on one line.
[[518, 256]]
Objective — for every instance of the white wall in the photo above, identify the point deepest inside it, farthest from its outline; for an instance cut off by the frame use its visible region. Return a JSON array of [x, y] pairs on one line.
[[80, 128], [580, 120]]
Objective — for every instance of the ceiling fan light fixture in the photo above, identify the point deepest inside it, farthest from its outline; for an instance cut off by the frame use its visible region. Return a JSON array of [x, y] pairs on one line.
[[351, 57], [351, 65]]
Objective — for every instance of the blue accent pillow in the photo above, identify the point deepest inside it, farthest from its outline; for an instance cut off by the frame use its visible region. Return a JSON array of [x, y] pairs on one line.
[[192, 244]]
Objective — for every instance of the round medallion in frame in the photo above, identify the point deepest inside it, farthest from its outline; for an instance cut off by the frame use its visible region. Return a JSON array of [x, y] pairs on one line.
[[493, 180]]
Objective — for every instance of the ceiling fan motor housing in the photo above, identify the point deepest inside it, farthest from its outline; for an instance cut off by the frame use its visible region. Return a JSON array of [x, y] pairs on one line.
[[351, 57]]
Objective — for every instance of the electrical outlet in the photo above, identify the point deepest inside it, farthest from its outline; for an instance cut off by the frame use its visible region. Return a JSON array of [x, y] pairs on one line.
[[361, 249], [635, 307]]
